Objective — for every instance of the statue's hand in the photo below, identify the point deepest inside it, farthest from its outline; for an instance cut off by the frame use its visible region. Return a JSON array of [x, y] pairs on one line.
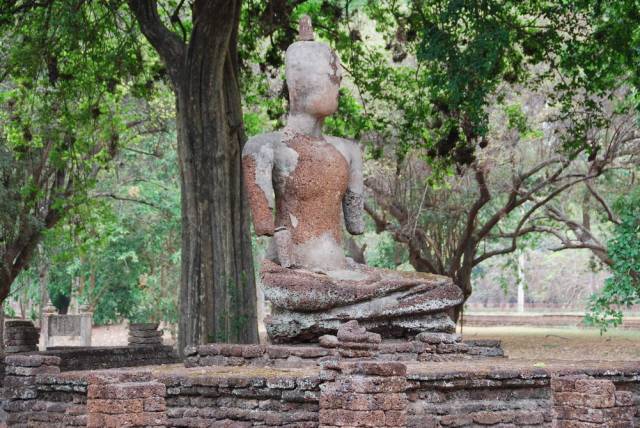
[[284, 247]]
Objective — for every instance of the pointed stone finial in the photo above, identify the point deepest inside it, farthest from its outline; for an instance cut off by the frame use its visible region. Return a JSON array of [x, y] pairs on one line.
[[305, 31]]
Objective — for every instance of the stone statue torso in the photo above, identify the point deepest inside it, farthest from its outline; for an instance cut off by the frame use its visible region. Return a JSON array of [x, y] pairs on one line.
[[308, 199], [304, 179]]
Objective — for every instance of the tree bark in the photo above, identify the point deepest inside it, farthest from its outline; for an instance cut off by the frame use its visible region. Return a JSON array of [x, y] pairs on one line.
[[217, 290]]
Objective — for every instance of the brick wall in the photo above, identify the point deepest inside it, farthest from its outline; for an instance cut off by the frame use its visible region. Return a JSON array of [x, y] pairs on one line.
[[363, 394], [467, 400], [242, 401], [341, 393], [581, 401], [35, 397]]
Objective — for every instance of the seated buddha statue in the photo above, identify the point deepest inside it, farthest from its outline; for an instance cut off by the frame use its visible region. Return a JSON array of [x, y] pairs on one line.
[[303, 186]]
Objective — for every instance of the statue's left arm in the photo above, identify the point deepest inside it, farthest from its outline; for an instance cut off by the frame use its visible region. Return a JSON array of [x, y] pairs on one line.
[[353, 201]]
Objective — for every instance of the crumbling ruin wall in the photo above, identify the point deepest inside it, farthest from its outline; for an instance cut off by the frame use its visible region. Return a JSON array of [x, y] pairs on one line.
[[244, 401], [364, 394]]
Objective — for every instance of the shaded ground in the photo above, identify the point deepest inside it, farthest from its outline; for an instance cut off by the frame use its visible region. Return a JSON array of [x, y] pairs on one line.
[[535, 343]]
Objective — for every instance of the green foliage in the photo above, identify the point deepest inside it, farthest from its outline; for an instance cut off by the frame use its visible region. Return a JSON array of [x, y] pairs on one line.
[[119, 252], [384, 254], [73, 79], [622, 289]]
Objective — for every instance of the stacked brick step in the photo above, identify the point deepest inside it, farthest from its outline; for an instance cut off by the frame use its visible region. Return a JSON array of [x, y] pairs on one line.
[[584, 402], [139, 404], [145, 334], [360, 391], [20, 336], [363, 394]]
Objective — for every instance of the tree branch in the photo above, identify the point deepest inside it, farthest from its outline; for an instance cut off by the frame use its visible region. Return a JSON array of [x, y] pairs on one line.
[[167, 43]]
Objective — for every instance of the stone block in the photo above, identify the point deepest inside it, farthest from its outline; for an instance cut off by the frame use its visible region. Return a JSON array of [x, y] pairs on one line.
[[355, 353], [133, 340], [209, 349], [624, 398], [278, 352], [145, 333], [456, 420], [144, 326], [373, 368], [332, 399], [253, 351], [492, 418], [31, 371], [395, 418], [308, 351], [229, 350], [371, 384], [595, 386], [620, 413], [145, 419], [11, 349], [328, 341], [115, 406], [125, 391], [352, 418], [281, 383], [154, 404], [437, 338], [529, 418]]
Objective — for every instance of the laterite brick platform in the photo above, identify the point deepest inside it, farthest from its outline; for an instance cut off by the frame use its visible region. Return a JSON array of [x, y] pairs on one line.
[[489, 392]]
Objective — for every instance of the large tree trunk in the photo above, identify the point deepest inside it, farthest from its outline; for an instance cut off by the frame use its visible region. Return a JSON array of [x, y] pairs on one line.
[[217, 294], [217, 290]]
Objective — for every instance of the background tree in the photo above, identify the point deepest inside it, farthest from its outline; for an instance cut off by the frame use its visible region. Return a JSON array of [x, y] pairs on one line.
[[63, 108]]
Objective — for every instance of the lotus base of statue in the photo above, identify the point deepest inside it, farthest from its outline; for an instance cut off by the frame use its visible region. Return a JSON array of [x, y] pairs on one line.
[[307, 304]]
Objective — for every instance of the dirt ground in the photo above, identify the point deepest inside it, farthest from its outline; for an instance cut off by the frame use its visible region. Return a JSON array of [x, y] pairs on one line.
[[562, 343], [518, 342]]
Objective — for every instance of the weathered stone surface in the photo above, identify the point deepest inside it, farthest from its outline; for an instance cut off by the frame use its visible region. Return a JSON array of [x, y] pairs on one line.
[[126, 390], [437, 338], [583, 402], [293, 319], [145, 333], [328, 341], [144, 326]]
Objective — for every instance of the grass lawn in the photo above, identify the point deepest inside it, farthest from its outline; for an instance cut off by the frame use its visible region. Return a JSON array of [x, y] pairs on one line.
[[562, 343]]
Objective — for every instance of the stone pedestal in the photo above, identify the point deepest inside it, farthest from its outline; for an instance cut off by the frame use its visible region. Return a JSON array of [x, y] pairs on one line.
[[145, 334], [20, 336]]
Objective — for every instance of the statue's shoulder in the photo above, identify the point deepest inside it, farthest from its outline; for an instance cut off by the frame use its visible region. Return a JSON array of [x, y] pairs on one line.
[[350, 149], [261, 143]]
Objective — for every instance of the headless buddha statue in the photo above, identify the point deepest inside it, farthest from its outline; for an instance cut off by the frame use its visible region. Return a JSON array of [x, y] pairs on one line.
[[312, 182]]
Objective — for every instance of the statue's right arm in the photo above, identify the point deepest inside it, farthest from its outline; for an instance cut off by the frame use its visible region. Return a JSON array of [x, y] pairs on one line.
[[257, 167]]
